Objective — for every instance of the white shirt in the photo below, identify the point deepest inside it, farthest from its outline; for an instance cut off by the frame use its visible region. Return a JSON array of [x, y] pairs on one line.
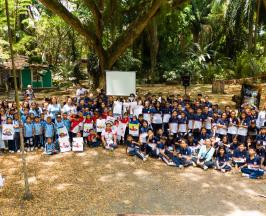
[[108, 136], [80, 91], [117, 107], [69, 109], [261, 119]]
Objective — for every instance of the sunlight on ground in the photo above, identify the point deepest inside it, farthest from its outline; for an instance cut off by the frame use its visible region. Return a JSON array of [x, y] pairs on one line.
[[245, 213], [62, 186], [236, 211], [141, 172]]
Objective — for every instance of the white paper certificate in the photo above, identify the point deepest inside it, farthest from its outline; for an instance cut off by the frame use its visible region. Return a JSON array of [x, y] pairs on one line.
[[173, 127], [182, 128], [197, 124], [147, 117], [157, 118], [166, 118]]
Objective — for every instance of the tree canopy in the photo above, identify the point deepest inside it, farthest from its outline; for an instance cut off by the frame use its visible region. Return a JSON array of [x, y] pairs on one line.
[[160, 39]]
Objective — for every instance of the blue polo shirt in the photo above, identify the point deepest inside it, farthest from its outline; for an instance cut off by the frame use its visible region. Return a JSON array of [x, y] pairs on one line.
[[38, 128], [49, 130], [28, 130]]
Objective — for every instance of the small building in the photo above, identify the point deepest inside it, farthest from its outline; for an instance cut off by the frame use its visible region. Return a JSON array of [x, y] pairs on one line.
[[37, 75]]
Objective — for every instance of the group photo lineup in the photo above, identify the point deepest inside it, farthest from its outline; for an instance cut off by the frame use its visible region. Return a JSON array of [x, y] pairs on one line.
[[179, 130]]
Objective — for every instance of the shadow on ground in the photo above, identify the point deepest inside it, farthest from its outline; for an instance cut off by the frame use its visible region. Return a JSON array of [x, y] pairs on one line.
[[97, 182]]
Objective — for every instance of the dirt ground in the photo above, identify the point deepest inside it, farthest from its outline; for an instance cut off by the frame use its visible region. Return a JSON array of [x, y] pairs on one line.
[[97, 182]]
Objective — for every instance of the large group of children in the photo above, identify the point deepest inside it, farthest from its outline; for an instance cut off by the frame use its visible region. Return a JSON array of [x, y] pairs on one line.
[[177, 130]]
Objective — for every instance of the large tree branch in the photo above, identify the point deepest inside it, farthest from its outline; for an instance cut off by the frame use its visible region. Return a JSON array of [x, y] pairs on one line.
[[133, 31], [57, 8], [91, 5]]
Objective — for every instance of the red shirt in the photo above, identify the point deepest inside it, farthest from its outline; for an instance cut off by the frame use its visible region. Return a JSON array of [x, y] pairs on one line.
[[125, 120]]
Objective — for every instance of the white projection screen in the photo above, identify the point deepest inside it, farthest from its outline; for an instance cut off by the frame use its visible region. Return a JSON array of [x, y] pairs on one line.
[[120, 83]]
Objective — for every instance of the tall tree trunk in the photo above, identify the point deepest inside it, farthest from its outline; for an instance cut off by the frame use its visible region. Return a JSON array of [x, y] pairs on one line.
[[27, 194], [265, 47], [256, 25], [154, 46]]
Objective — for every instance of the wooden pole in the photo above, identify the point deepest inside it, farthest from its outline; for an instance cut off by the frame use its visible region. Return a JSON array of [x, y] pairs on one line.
[[27, 194]]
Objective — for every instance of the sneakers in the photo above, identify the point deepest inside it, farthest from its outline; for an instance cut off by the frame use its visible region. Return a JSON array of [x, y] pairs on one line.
[[223, 170], [194, 164], [171, 163], [245, 175], [181, 167], [205, 167]]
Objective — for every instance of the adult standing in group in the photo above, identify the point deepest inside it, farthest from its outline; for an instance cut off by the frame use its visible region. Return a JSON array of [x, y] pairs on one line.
[[54, 108], [80, 91], [69, 108]]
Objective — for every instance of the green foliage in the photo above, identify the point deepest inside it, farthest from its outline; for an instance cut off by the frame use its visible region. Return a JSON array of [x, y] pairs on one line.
[[210, 39]]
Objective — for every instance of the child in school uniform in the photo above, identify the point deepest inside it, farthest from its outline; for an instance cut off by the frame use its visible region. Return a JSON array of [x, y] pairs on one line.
[[38, 131], [222, 160], [74, 128], [233, 122], [50, 147], [197, 123], [17, 125], [243, 128], [261, 153], [81, 122], [222, 125], [151, 146], [11, 146], [28, 134], [239, 156], [109, 137], [88, 125], [49, 128], [184, 154], [182, 125], [134, 120], [93, 139], [66, 121], [252, 166], [173, 124], [133, 148]]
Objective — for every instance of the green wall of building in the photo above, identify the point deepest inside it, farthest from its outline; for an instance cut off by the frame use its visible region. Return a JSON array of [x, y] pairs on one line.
[[44, 82]]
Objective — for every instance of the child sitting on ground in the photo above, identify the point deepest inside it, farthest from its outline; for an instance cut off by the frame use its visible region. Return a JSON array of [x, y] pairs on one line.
[[50, 147], [133, 148], [93, 139]]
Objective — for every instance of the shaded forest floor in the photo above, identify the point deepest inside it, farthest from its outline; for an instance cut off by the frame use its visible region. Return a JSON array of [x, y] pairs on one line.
[[97, 182]]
